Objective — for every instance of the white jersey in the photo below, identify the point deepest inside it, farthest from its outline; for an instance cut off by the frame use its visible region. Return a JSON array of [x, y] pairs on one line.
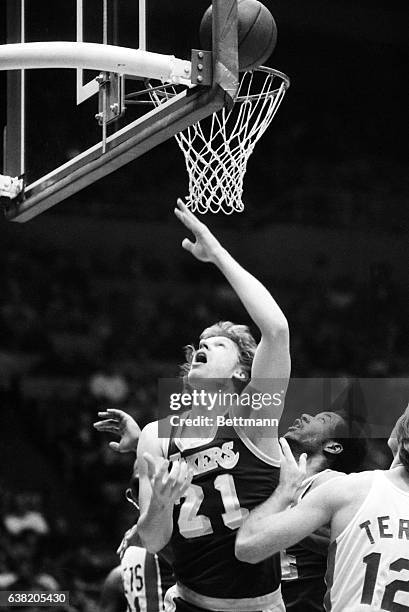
[[142, 580], [368, 563]]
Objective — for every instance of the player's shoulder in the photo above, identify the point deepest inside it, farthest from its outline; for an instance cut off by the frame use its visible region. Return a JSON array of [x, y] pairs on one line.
[[359, 478], [112, 593], [150, 429], [155, 437], [114, 578], [161, 427], [355, 485], [149, 436], [344, 487], [325, 476]]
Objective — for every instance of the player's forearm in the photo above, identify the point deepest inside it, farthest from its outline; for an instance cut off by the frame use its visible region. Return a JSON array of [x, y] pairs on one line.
[[255, 536], [259, 303], [155, 526]]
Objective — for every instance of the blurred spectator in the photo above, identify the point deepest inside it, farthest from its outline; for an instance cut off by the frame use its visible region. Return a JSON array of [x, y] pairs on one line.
[[25, 516], [109, 385]]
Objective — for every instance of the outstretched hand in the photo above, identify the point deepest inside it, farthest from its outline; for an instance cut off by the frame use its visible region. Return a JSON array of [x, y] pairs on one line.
[[292, 474], [168, 487], [206, 246], [122, 424]]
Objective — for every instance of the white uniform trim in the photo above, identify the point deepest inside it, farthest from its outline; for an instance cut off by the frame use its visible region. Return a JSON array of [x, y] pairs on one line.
[[271, 601]]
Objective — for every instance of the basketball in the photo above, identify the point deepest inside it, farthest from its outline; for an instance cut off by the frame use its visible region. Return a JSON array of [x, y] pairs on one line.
[[257, 33]]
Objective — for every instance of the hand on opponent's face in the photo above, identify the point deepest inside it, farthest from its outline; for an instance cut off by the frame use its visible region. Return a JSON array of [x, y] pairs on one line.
[[292, 474]]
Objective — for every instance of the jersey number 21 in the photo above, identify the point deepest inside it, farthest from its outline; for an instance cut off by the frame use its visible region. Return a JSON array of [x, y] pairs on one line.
[[193, 525]]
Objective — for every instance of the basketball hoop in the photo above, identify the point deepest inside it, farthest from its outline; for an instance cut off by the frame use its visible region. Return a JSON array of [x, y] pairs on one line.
[[217, 148]]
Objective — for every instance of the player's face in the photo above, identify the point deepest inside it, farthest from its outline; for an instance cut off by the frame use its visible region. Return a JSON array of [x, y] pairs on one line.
[[216, 357], [310, 432]]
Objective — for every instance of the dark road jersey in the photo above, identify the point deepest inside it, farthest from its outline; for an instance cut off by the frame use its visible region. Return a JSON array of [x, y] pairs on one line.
[[231, 477]]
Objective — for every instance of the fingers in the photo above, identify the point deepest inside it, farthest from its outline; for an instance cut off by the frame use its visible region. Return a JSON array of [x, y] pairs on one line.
[[108, 425], [157, 468], [111, 420], [188, 218], [114, 446], [286, 450], [172, 476], [177, 475], [302, 463], [179, 480], [185, 210], [172, 484], [188, 245], [188, 481], [187, 222], [110, 412], [183, 207], [114, 414], [151, 465], [181, 203]]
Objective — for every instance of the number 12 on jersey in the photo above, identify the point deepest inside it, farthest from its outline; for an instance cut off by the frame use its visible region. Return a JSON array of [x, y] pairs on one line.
[[372, 563], [192, 525]]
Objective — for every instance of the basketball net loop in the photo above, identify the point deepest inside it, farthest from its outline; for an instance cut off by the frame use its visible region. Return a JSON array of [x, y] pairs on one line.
[[217, 148]]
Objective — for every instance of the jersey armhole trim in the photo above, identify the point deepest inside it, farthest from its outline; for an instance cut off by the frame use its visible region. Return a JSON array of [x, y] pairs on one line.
[[254, 449], [308, 482], [392, 484], [343, 533]]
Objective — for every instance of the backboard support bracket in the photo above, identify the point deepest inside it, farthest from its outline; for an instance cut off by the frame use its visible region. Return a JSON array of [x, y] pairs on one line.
[[202, 68], [111, 97], [145, 133]]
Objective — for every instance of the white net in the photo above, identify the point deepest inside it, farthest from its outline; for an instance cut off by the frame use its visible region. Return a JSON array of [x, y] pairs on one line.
[[217, 148]]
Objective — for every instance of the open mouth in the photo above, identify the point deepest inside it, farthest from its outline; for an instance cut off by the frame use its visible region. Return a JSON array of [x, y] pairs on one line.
[[200, 357]]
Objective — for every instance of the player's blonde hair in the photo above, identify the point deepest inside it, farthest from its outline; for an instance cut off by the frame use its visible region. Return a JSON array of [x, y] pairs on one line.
[[239, 334], [402, 435]]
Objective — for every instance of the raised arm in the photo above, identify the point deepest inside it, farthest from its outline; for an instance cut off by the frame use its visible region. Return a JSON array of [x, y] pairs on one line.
[[159, 490], [266, 531], [272, 359]]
